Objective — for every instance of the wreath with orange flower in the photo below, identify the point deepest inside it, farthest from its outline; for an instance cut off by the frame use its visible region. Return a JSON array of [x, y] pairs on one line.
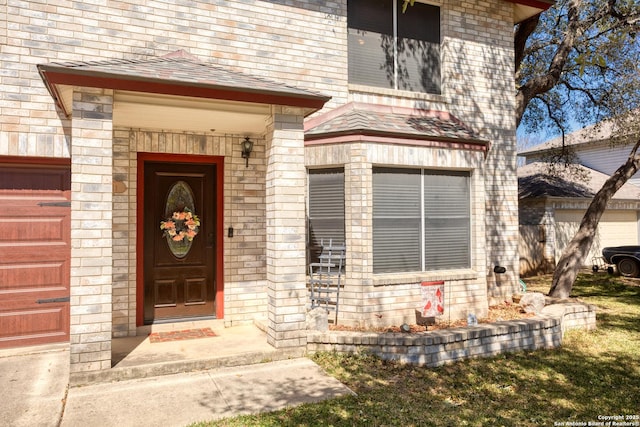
[[181, 225]]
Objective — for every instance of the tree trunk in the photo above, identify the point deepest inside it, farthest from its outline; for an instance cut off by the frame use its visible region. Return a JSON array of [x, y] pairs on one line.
[[571, 260], [521, 36]]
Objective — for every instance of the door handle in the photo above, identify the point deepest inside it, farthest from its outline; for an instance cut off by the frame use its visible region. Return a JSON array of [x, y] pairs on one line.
[[56, 204], [211, 239], [50, 300]]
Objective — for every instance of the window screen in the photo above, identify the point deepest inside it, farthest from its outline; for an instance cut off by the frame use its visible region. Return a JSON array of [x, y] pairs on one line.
[[421, 220], [418, 44], [447, 220], [396, 220], [408, 59], [370, 42], [326, 209]]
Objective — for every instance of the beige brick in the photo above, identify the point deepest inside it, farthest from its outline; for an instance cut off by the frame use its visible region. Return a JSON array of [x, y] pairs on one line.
[[309, 52]]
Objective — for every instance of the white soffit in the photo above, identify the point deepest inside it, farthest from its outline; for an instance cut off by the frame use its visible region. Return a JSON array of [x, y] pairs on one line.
[[522, 12], [151, 111], [168, 112]]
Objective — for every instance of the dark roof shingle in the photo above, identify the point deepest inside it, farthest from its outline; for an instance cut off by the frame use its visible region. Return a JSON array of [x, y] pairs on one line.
[[378, 120], [536, 181]]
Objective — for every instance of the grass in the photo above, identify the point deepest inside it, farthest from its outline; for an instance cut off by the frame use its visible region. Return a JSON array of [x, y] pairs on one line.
[[594, 374]]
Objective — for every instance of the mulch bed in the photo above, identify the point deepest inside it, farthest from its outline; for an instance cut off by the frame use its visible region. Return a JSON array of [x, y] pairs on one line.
[[504, 311], [187, 334]]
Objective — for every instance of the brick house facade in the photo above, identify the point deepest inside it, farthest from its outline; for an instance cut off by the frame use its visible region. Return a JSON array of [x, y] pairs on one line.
[[274, 72]]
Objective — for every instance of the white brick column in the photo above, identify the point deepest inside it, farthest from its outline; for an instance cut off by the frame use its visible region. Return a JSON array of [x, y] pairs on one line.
[[91, 230], [285, 212], [358, 214]]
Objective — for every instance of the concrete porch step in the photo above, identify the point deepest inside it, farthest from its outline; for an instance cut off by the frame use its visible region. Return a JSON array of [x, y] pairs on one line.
[[137, 357]]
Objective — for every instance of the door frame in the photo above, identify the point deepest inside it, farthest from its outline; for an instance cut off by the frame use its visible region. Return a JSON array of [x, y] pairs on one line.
[[216, 161]]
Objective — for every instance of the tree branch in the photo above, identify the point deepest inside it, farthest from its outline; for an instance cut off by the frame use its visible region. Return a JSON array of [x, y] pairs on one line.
[[523, 31], [587, 92], [575, 28]]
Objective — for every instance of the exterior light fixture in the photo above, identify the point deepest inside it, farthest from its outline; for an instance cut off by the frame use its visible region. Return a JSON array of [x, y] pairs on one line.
[[247, 148]]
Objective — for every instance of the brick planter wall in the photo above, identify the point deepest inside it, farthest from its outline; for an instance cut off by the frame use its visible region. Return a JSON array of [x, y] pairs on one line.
[[439, 347]]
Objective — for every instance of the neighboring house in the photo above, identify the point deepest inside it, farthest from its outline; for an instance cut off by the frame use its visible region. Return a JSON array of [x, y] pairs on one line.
[[552, 205], [392, 132]]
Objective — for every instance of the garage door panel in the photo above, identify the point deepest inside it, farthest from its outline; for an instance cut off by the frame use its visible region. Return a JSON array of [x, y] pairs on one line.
[[22, 323], [26, 227], [34, 277], [32, 229], [41, 181], [35, 253], [616, 228], [32, 252]]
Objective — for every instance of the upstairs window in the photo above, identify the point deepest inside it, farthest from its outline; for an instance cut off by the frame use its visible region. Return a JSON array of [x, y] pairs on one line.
[[391, 49]]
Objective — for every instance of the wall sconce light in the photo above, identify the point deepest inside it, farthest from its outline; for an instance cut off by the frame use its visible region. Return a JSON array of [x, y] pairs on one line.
[[247, 148]]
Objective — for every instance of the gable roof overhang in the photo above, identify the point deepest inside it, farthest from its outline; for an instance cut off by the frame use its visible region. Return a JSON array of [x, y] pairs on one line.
[[610, 132], [178, 92], [524, 9], [359, 122], [535, 182]]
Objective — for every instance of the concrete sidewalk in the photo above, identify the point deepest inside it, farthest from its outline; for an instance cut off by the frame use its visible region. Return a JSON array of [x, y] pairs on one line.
[[33, 384], [35, 393]]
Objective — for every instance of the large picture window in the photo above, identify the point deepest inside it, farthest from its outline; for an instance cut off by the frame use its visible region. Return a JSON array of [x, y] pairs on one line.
[[326, 209], [391, 49], [421, 220]]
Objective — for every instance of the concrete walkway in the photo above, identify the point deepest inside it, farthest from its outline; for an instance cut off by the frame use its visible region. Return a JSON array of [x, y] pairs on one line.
[[34, 385], [36, 393]]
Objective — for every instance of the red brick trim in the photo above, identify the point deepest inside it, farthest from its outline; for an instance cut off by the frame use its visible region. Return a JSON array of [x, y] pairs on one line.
[[53, 77], [482, 146]]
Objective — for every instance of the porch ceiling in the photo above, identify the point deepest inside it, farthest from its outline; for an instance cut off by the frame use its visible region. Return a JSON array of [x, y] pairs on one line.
[[178, 92], [143, 110]]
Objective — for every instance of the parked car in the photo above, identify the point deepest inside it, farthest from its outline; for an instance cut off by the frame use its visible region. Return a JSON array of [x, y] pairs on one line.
[[626, 259]]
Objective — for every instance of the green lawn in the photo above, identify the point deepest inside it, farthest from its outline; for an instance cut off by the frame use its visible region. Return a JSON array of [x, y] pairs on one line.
[[594, 374]]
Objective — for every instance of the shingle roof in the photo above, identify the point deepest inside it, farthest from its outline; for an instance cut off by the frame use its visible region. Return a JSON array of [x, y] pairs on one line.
[[355, 118], [588, 134], [605, 132], [535, 181], [179, 74]]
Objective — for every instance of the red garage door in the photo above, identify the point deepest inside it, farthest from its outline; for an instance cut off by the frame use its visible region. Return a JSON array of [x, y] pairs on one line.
[[34, 253]]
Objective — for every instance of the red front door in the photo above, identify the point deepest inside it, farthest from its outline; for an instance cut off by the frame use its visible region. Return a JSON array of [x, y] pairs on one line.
[[179, 258]]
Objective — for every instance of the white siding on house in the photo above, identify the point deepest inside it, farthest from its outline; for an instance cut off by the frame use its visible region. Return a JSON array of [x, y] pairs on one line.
[[603, 158], [606, 159]]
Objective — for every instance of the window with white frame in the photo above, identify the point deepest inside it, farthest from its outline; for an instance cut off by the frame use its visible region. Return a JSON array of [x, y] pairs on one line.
[[325, 209], [421, 220], [392, 49]]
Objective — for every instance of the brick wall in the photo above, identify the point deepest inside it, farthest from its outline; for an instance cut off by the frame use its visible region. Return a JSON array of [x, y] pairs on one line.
[[477, 87], [479, 61], [285, 229], [384, 299], [262, 38], [302, 43], [436, 348], [244, 188]]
